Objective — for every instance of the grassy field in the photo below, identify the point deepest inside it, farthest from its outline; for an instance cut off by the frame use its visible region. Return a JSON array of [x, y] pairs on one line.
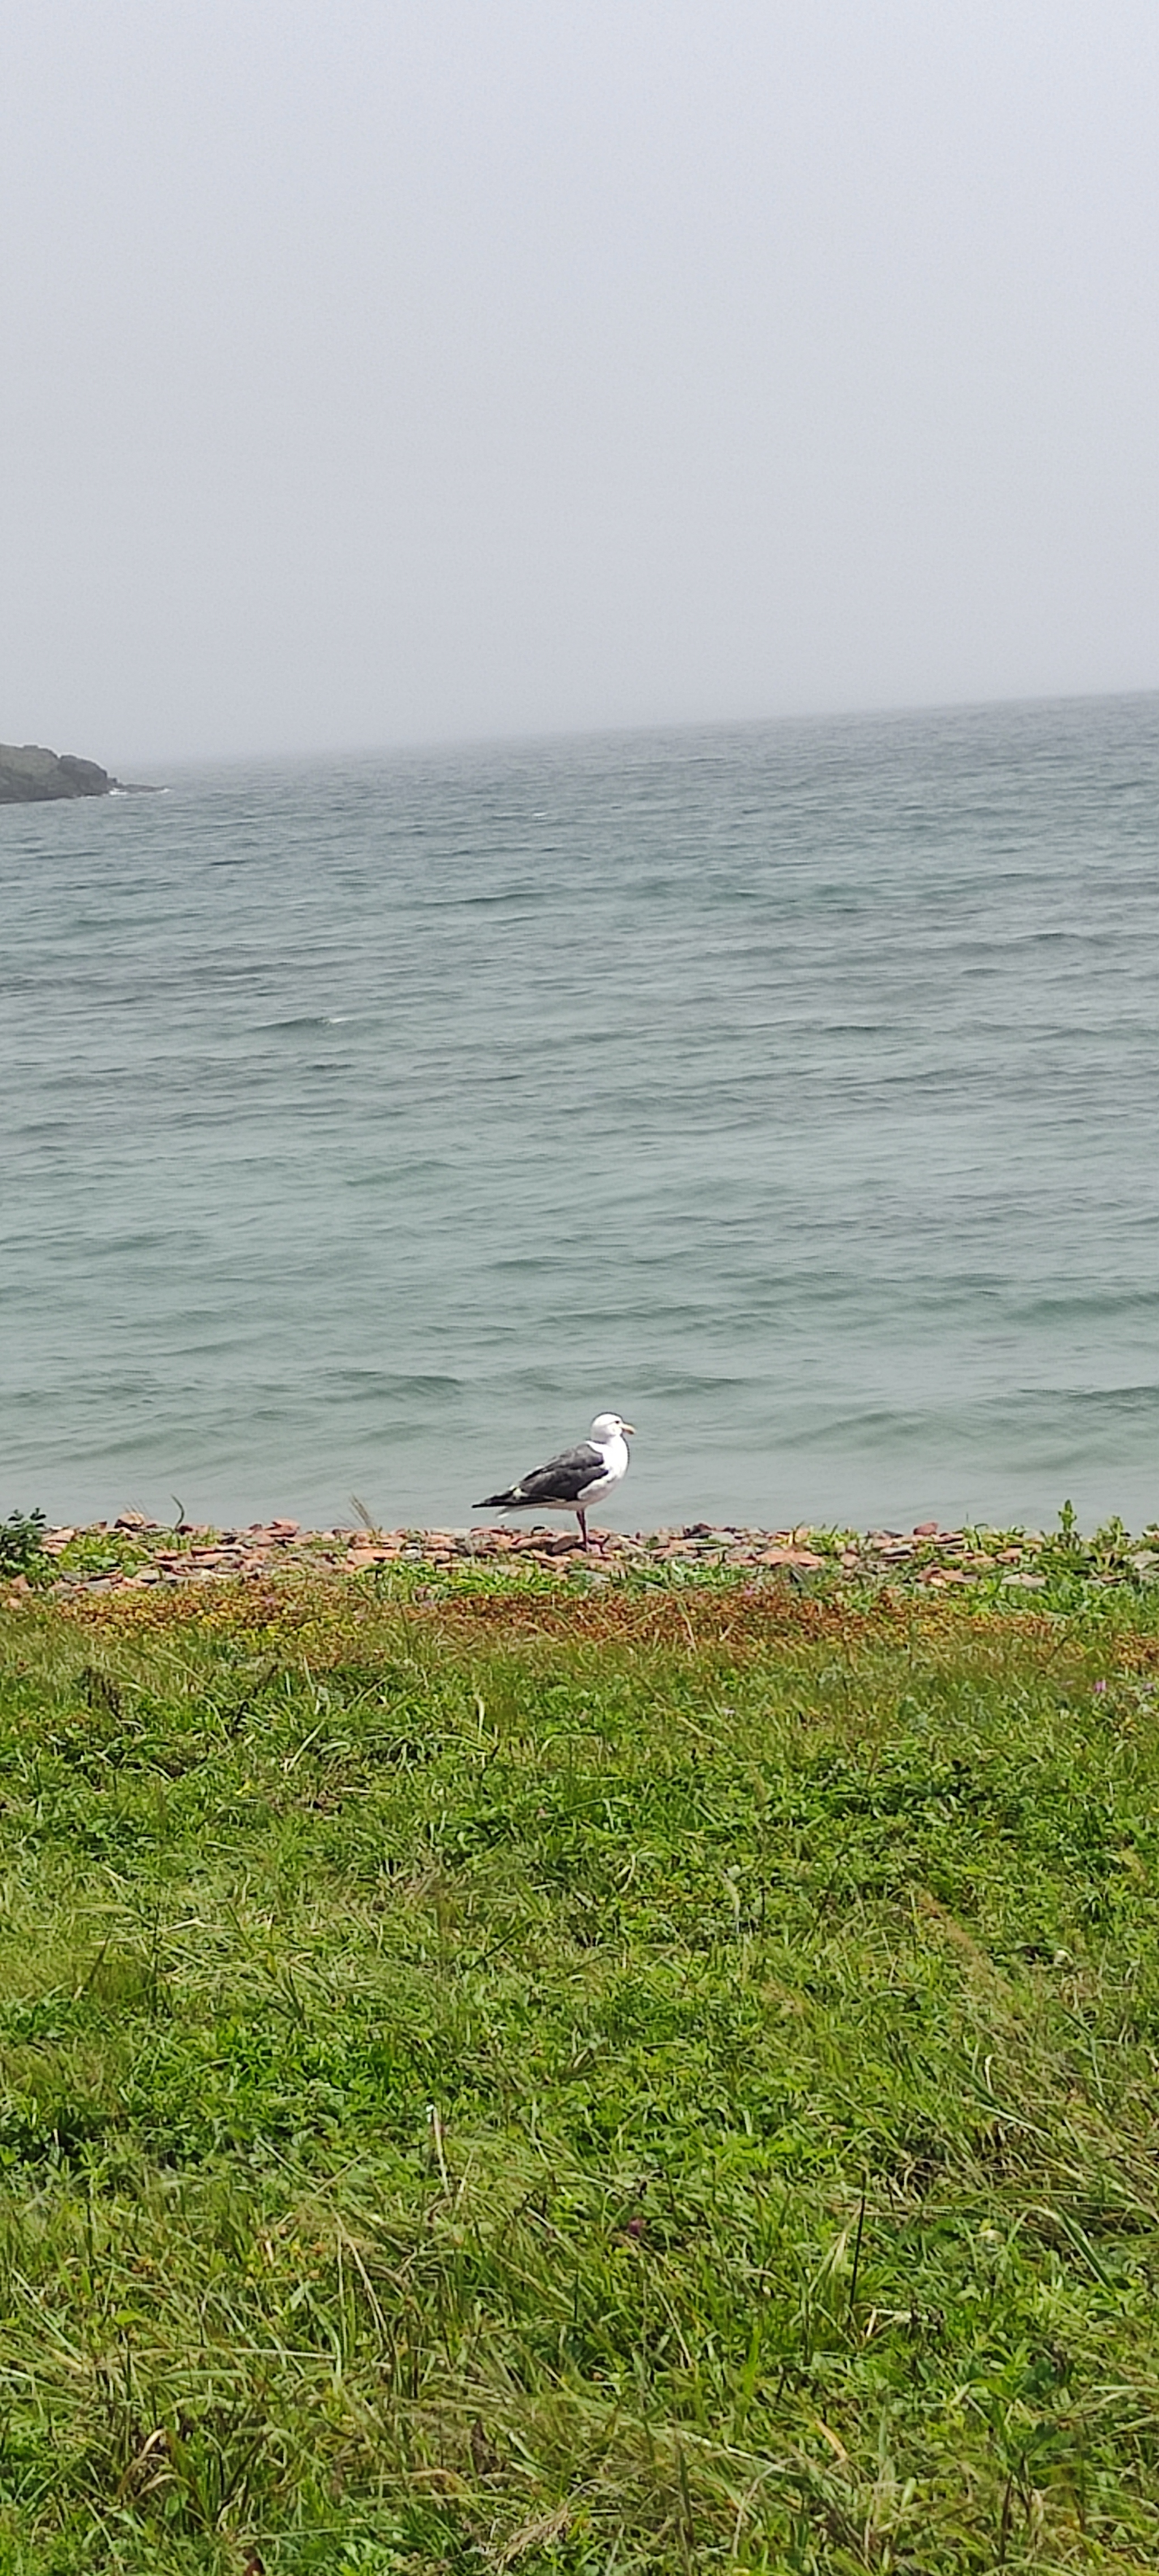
[[524, 2075]]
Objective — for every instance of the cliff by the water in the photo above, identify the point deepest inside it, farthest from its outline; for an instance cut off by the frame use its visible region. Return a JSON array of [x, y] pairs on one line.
[[31, 776]]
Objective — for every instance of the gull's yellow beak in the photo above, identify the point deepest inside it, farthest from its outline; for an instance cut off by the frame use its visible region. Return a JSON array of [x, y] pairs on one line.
[[630, 1427]]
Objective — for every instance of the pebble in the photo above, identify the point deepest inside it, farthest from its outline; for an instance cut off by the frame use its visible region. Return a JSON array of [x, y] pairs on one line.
[[931, 1557]]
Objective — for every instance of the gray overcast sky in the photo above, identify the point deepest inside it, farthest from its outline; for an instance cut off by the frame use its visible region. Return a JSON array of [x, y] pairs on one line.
[[391, 369]]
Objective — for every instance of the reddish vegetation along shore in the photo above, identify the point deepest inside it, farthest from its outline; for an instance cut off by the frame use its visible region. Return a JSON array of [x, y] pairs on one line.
[[133, 1553]]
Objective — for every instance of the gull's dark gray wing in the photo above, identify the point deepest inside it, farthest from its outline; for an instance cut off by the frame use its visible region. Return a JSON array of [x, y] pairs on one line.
[[562, 1481]]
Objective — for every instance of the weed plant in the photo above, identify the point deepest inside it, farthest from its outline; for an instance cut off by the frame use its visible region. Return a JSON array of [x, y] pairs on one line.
[[646, 2079], [21, 1542]]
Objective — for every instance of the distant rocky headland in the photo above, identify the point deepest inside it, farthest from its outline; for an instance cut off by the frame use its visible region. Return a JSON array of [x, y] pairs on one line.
[[32, 776]]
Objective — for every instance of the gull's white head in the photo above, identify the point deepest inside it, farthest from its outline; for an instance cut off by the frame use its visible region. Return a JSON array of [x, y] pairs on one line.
[[608, 1425]]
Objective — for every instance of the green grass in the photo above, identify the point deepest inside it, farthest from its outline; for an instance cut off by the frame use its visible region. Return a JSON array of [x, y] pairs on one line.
[[656, 2077]]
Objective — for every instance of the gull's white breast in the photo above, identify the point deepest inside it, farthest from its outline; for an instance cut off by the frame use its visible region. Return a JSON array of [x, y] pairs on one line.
[[614, 1469]]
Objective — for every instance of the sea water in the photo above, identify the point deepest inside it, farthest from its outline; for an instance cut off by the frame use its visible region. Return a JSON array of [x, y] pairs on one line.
[[369, 1124]]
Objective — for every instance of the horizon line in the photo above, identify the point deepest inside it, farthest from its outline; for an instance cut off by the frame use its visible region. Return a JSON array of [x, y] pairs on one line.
[[402, 747]]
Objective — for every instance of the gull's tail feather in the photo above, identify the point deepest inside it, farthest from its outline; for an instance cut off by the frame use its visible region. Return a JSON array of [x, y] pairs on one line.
[[495, 1502]]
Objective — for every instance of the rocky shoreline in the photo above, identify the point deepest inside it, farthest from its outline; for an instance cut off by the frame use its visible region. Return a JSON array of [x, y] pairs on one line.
[[134, 1554], [30, 775]]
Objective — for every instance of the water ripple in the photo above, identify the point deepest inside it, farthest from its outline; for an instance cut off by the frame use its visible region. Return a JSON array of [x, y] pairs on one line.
[[789, 1087]]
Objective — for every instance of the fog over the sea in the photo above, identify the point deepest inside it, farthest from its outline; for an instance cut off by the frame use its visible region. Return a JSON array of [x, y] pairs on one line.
[[387, 370]]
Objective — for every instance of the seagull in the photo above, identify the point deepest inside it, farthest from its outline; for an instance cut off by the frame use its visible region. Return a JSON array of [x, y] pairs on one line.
[[575, 1481]]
